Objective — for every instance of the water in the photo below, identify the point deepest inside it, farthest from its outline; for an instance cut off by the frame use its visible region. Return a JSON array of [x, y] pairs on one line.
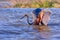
[[14, 28]]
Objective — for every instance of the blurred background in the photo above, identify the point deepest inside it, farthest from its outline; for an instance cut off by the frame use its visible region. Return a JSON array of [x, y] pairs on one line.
[[29, 3]]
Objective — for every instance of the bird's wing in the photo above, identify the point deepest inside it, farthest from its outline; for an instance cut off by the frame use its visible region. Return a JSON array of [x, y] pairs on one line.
[[46, 19]]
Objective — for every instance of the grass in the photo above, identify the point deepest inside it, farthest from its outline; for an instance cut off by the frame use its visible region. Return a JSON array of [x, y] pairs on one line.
[[35, 5]]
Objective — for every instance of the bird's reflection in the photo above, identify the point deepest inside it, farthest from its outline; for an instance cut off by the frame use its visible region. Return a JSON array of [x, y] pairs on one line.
[[44, 31]]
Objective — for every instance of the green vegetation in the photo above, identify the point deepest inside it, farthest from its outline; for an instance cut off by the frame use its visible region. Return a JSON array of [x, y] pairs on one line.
[[18, 5], [35, 5], [48, 4]]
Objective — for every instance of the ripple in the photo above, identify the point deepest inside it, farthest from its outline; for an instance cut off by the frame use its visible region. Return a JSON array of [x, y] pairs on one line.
[[14, 28]]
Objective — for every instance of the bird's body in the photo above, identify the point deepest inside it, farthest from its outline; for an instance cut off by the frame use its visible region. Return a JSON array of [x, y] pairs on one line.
[[41, 17]]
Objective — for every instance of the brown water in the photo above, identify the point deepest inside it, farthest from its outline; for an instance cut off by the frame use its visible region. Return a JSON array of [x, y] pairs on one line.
[[14, 28]]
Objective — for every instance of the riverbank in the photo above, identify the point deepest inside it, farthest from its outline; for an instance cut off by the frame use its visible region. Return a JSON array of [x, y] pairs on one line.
[[30, 4]]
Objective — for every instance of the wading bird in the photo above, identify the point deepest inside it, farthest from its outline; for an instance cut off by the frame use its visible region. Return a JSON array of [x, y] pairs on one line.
[[40, 17]]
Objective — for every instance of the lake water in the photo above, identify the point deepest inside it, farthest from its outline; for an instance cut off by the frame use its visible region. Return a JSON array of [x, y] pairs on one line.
[[14, 28]]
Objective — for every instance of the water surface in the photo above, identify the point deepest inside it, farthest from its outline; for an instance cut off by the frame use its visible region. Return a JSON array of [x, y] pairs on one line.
[[14, 28]]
